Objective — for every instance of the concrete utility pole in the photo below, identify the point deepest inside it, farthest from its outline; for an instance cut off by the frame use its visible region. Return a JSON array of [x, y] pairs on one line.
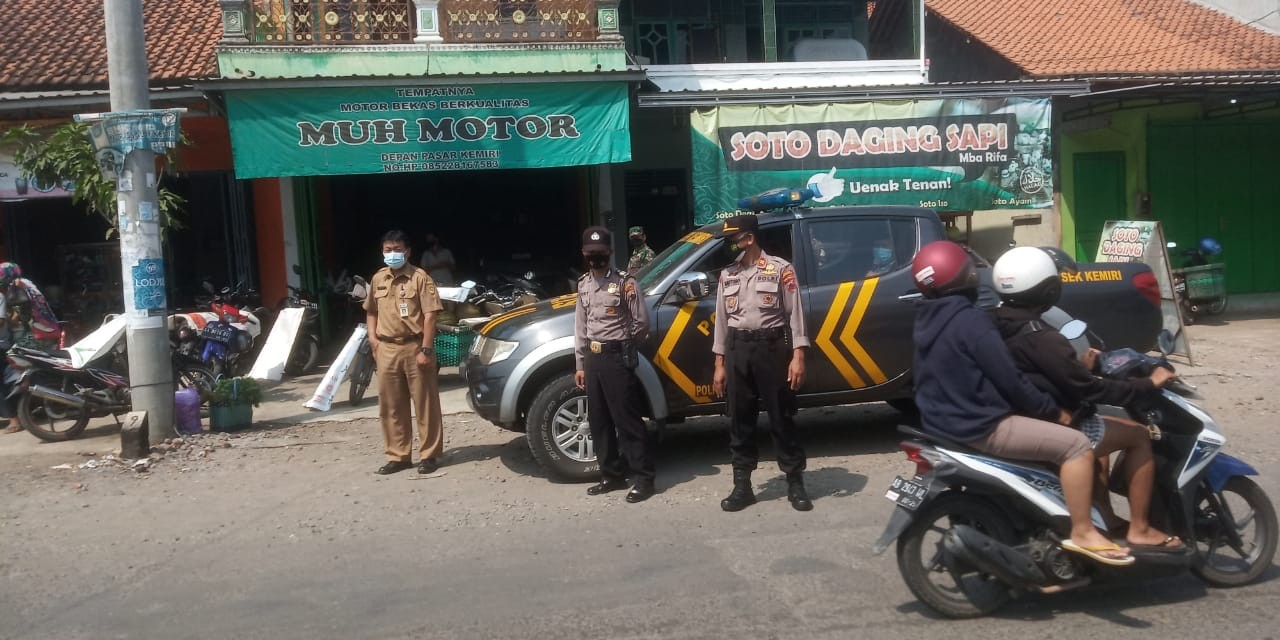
[[150, 368]]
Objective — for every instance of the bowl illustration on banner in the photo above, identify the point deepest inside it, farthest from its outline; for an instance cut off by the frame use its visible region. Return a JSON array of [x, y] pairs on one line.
[[826, 186]]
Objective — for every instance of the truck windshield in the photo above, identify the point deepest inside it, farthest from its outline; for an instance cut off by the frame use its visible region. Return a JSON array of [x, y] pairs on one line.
[[670, 259]]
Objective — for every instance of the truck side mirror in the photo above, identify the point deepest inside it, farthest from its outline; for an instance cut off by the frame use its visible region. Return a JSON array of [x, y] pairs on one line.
[[693, 285]]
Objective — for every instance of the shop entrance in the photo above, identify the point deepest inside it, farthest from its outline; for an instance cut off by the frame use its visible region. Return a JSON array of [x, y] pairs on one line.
[[494, 222]]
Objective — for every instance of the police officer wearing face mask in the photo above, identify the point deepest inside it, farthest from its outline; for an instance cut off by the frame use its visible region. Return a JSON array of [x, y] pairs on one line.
[[610, 321], [759, 347], [401, 315]]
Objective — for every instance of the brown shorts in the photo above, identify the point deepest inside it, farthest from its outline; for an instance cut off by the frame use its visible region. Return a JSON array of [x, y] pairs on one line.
[[1021, 438]]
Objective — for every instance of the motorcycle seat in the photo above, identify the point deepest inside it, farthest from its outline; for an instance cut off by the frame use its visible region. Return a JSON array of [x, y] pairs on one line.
[[960, 447]]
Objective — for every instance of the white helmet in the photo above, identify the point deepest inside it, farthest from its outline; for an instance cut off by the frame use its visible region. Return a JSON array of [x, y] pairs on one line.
[[1027, 277]]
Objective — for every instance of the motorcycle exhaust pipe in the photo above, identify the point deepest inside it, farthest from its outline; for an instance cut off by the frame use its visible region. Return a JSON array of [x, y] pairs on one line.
[[53, 395], [989, 555]]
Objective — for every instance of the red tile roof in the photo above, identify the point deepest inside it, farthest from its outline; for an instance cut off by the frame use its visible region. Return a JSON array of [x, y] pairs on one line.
[[1088, 37], [62, 44]]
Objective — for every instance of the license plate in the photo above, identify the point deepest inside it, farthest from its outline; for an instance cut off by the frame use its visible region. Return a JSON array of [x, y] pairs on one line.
[[218, 333], [908, 494]]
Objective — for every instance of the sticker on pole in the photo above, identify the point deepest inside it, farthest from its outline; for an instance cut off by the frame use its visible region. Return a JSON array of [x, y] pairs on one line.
[[148, 285]]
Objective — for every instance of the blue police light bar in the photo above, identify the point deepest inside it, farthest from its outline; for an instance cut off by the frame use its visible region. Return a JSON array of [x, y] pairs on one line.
[[776, 199]]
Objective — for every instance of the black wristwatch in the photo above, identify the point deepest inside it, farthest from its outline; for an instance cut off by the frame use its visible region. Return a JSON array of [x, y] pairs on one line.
[[428, 351]]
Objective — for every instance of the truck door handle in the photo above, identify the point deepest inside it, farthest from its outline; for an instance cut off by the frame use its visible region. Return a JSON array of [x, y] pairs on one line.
[[911, 296]]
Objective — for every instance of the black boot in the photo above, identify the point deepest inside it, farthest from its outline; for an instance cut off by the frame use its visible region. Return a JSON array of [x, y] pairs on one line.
[[796, 494], [742, 495]]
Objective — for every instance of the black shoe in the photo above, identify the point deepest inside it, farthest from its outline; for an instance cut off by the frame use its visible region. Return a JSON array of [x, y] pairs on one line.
[[605, 486], [393, 467], [640, 493], [796, 494], [430, 465], [742, 495]]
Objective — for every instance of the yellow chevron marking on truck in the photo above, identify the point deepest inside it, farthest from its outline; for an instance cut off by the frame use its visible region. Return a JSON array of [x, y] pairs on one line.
[[662, 359], [855, 319], [823, 340], [489, 326]]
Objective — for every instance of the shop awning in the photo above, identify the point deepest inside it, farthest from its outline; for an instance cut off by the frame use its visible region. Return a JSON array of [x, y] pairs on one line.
[[655, 96]]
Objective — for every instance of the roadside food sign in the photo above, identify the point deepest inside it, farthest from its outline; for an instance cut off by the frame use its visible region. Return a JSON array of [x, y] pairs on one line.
[[1143, 241], [946, 155], [358, 130]]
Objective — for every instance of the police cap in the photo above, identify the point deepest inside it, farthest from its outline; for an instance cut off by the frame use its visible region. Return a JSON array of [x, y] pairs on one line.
[[597, 241], [738, 224]]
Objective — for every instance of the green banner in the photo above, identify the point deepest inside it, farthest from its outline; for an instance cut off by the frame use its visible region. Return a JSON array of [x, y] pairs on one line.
[[947, 155], [309, 132]]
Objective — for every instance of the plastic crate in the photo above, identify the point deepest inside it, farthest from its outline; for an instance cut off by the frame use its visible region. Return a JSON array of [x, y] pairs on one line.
[[1207, 282], [452, 345]]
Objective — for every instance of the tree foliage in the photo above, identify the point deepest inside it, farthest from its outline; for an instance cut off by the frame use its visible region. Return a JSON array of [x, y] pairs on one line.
[[65, 155]]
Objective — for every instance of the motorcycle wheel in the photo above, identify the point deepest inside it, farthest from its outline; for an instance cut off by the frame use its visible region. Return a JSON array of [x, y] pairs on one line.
[[1243, 509], [48, 421], [191, 376], [303, 358], [361, 375], [1217, 307], [956, 591]]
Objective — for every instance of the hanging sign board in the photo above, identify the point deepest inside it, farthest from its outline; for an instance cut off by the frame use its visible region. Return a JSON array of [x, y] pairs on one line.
[[1143, 241]]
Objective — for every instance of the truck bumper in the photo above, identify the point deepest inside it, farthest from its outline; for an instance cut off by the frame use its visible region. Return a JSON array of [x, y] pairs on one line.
[[484, 391]]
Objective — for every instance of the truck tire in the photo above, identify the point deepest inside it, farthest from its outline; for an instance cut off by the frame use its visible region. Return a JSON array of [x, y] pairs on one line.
[[558, 433]]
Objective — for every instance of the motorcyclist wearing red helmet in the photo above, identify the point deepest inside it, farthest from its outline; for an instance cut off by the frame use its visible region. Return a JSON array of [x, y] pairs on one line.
[[968, 389]]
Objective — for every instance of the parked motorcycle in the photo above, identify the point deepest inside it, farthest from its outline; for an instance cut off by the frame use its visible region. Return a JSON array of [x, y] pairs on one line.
[[972, 529], [223, 335], [1200, 286], [58, 396], [305, 354]]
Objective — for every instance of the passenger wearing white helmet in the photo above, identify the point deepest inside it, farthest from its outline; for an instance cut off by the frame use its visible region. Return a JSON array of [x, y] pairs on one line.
[[1028, 283]]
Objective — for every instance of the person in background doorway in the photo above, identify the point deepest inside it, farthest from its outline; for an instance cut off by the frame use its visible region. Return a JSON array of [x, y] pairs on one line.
[[438, 262], [401, 315], [641, 254]]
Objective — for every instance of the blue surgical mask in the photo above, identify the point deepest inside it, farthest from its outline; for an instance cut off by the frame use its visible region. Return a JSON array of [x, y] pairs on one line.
[[882, 254], [393, 259]]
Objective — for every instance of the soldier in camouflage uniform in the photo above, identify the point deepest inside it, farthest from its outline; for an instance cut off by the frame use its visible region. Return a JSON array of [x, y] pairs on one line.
[[641, 254]]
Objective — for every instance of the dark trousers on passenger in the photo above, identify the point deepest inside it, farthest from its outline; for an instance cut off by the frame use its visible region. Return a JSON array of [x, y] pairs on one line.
[[757, 373], [615, 405]]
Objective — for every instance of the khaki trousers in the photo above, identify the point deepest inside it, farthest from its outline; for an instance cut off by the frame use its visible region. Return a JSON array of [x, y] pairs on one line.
[[400, 380]]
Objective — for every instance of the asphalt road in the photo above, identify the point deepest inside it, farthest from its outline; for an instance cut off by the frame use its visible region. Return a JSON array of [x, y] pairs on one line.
[[286, 533]]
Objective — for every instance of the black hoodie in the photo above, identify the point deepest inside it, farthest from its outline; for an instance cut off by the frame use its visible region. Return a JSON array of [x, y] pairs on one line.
[[965, 380], [1051, 364]]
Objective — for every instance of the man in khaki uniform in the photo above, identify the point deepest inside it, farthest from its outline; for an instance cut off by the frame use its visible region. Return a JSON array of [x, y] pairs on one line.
[[401, 315], [759, 345], [610, 321]]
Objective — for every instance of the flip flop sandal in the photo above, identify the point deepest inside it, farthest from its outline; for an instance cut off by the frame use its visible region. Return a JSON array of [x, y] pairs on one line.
[[1165, 546], [1093, 553]]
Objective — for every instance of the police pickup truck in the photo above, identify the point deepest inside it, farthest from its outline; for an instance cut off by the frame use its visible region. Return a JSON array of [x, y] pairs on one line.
[[859, 314]]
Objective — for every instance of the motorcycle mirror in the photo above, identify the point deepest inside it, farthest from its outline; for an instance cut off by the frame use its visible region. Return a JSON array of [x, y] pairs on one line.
[[1166, 342], [1074, 329]]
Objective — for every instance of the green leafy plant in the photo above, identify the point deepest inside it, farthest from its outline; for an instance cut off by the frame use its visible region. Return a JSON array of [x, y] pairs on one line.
[[65, 155], [233, 391]]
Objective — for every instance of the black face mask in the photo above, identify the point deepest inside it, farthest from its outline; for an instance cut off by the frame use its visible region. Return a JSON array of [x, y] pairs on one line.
[[597, 262]]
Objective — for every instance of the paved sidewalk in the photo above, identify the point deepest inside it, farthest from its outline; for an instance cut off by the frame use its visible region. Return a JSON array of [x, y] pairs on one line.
[[283, 406]]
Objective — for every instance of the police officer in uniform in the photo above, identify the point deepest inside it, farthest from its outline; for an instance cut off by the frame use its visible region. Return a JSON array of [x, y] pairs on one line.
[[401, 314], [759, 347], [610, 321]]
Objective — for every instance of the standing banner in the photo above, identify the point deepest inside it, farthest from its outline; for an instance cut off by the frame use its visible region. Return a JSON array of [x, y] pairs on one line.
[[1143, 241], [357, 130], [275, 352], [322, 399], [946, 155]]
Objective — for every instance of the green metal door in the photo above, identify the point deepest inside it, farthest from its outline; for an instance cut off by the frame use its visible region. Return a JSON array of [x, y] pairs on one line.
[[1099, 195], [1218, 179]]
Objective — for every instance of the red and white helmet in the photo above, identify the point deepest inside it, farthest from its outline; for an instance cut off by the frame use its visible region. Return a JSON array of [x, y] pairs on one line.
[[942, 268]]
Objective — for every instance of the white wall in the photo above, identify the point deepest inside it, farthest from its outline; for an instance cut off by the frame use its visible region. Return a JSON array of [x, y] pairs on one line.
[[1265, 12]]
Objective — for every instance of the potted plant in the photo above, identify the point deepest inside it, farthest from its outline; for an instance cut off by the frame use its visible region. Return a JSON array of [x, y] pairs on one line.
[[231, 403]]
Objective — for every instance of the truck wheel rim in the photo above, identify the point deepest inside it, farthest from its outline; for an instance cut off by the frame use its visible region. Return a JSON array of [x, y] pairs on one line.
[[571, 431]]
